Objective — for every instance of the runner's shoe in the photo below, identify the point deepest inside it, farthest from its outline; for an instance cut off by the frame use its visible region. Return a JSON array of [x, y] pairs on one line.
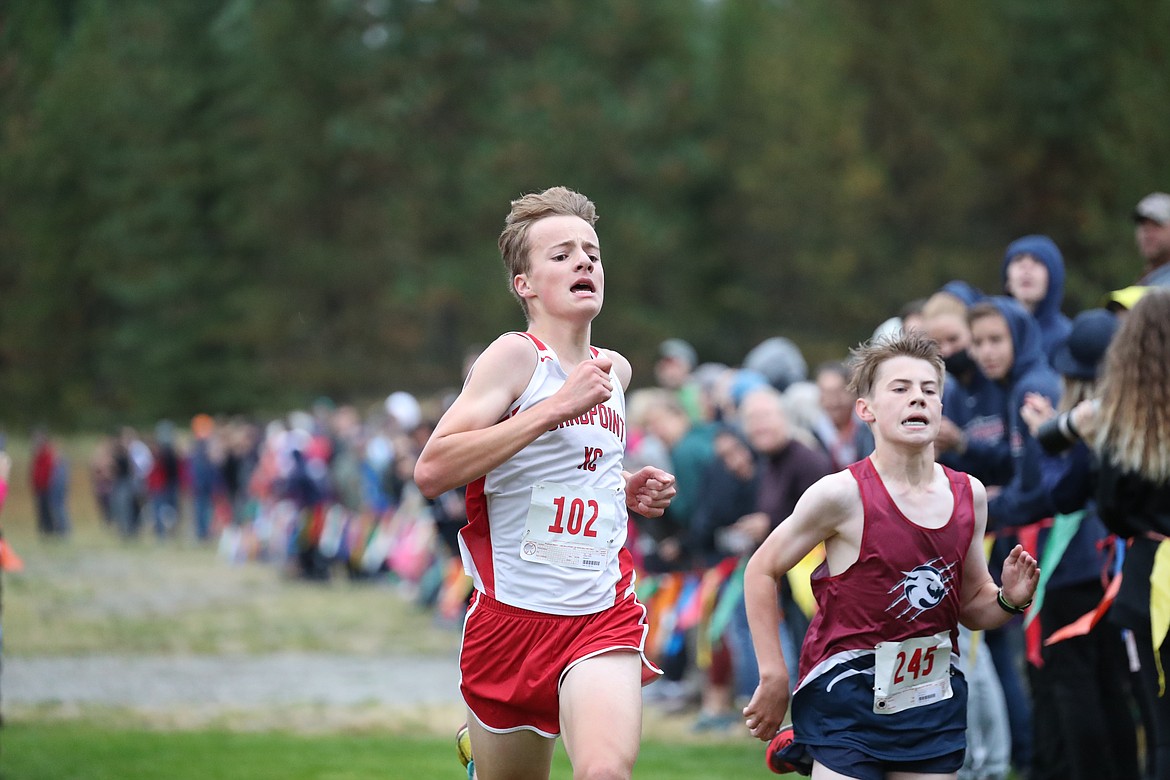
[[772, 758], [463, 748]]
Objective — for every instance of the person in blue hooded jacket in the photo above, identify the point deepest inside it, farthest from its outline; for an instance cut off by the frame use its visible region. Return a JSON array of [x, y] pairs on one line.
[[1007, 345], [1033, 274], [972, 436]]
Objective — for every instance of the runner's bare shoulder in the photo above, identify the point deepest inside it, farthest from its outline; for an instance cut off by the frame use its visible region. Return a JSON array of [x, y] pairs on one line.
[[508, 362]]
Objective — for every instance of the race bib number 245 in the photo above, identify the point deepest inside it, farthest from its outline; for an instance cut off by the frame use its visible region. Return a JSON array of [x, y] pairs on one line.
[[912, 673]]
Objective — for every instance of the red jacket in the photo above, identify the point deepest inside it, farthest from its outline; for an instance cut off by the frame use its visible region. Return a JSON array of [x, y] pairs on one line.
[[42, 468]]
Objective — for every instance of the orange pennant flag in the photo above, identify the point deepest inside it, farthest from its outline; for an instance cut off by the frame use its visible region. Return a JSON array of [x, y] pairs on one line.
[[1084, 624], [9, 560]]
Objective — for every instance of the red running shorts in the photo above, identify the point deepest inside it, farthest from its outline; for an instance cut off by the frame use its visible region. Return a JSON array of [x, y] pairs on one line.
[[512, 660]]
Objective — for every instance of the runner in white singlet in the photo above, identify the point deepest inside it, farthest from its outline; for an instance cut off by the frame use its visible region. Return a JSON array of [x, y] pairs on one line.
[[553, 643], [546, 537]]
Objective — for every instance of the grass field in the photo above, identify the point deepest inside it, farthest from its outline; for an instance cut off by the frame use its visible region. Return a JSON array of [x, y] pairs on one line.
[[86, 751]]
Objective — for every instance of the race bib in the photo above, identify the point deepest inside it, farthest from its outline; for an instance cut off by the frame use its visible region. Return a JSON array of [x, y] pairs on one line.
[[569, 525], [912, 673]]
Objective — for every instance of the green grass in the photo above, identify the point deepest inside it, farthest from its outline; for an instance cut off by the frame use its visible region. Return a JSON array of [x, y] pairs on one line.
[[84, 751]]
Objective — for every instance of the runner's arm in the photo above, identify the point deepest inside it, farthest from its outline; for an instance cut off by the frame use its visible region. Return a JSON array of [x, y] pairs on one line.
[[816, 517], [980, 609], [472, 438]]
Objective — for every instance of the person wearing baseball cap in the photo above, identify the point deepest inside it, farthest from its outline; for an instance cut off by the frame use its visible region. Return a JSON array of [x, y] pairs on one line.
[[1151, 218], [674, 370]]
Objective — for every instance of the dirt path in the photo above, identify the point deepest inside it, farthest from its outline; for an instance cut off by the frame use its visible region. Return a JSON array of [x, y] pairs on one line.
[[402, 682]]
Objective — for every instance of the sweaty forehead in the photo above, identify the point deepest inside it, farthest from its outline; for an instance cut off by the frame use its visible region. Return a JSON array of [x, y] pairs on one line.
[[905, 369], [561, 229]]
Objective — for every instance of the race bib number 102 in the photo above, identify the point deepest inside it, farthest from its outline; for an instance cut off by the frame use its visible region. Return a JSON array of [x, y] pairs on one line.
[[569, 525]]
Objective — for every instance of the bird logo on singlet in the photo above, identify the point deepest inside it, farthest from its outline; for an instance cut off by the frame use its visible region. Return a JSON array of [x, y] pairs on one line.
[[922, 588]]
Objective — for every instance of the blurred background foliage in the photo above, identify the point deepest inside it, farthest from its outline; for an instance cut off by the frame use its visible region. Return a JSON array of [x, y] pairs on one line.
[[240, 205]]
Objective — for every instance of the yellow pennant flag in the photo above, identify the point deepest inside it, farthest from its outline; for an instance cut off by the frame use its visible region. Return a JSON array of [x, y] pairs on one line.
[[798, 580], [1160, 606]]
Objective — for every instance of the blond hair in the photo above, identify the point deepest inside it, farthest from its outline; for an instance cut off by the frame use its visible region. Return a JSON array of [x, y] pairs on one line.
[[944, 303], [526, 211], [1073, 391], [867, 358], [1133, 423]]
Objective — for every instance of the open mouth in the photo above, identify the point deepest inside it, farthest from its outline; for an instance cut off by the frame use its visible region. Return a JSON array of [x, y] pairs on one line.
[[583, 287], [916, 421]]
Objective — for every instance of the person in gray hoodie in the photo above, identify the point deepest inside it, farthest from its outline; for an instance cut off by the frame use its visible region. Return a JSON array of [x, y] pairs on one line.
[[1033, 274]]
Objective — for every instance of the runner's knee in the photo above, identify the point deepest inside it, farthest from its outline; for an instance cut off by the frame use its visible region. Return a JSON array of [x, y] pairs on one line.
[[602, 768]]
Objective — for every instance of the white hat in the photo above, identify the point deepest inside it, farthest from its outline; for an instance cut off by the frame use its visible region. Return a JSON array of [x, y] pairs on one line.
[[1154, 207], [404, 408]]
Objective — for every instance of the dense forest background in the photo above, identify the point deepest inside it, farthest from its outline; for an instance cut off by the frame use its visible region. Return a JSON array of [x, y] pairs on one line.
[[241, 205]]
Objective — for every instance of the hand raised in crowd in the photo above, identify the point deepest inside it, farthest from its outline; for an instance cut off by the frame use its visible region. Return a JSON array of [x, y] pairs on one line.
[[755, 526], [950, 437], [1036, 411]]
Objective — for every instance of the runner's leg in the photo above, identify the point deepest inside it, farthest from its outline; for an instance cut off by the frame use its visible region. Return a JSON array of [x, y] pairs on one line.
[[518, 755], [601, 715]]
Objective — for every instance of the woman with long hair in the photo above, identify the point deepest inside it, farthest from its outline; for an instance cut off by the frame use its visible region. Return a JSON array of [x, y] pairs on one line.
[[1131, 433], [1083, 713]]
